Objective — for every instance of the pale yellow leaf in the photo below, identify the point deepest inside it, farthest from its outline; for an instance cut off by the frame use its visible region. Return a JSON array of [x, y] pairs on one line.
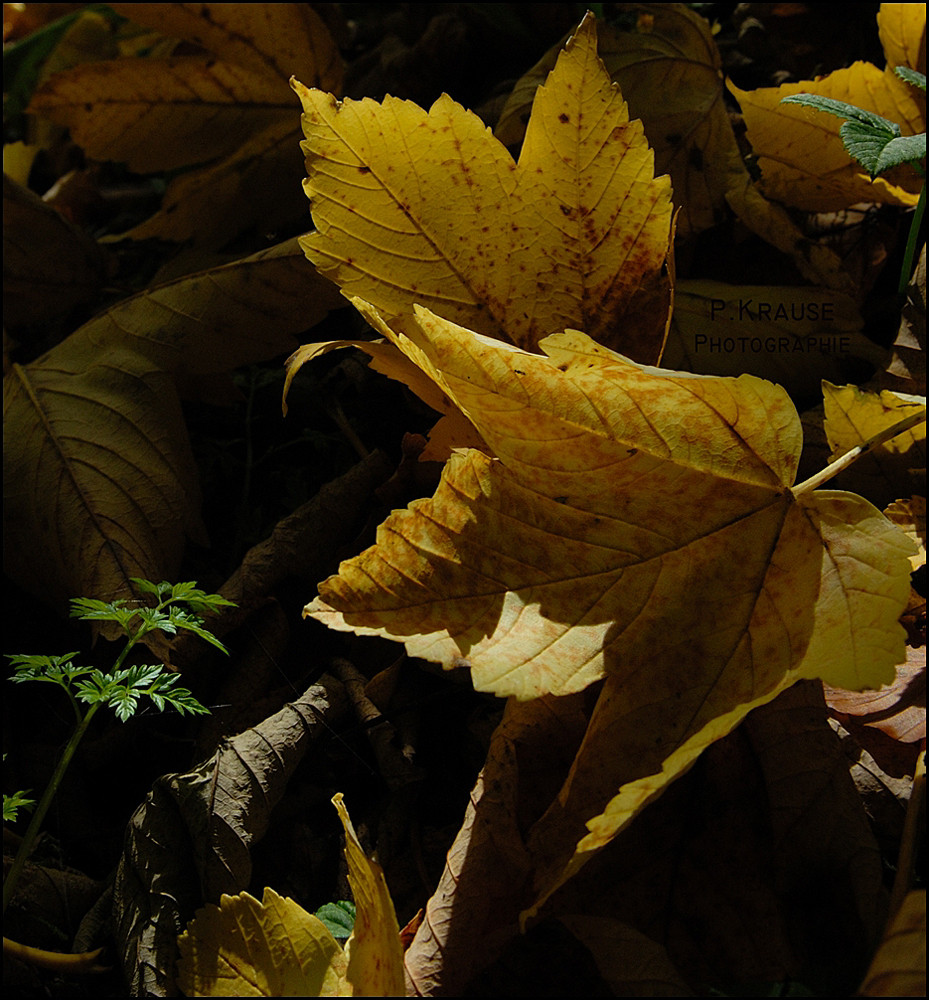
[[428, 207], [275, 948], [374, 952], [515, 565], [899, 967]]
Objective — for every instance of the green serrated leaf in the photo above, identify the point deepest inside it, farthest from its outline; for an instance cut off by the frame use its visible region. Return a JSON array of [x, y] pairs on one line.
[[193, 625], [842, 110], [36, 667], [865, 143], [339, 918], [911, 76], [88, 609], [124, 702], [904, 149], [142, 676], [147, 587]]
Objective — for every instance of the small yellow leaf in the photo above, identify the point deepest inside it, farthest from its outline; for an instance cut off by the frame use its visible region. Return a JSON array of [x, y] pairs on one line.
[[243, 948], [428, 207], [889, 471]]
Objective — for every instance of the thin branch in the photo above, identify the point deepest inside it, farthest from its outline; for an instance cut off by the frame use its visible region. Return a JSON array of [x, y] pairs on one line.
[[840, 464]]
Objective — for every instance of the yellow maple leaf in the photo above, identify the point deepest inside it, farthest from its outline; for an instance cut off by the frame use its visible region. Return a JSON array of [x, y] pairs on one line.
[[274, 948], [428, 207], [630, 524], [666, 62], [802, 159]]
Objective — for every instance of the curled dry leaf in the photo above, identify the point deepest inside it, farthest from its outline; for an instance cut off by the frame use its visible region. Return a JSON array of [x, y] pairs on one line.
[[220, 809]]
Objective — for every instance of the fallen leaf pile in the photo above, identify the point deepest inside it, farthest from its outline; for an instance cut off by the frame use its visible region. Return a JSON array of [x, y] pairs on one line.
[[645, 577]]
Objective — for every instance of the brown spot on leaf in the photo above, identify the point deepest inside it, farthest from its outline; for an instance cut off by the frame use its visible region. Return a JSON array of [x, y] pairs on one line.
[[564, 118]]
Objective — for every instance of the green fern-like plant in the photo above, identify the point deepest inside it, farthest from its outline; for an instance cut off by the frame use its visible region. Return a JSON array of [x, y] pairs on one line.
[[176, 607]]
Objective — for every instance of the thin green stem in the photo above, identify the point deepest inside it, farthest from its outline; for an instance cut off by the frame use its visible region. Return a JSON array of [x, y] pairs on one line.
[[912, 241], [32, 833], [840, 464]]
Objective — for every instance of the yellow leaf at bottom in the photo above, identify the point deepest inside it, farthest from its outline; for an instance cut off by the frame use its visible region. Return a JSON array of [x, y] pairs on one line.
[[243, 948]]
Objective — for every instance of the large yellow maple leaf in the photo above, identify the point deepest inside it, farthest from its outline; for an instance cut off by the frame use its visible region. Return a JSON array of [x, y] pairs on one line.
[[631, 524], [428, 207]]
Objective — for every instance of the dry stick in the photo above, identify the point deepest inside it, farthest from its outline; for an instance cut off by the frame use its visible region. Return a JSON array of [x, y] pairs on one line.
[[846, 460], [54, 960]]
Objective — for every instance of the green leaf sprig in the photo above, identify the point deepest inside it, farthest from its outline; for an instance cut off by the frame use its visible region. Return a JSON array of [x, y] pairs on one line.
[[177, 606], [878, 145]]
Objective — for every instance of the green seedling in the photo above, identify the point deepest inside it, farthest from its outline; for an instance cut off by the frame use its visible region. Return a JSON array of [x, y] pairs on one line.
[[178, 606], [877, 144]]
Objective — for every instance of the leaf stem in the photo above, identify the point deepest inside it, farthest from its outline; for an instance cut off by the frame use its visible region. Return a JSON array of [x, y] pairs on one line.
[[912, 241], [25, 848], [840, 464]]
